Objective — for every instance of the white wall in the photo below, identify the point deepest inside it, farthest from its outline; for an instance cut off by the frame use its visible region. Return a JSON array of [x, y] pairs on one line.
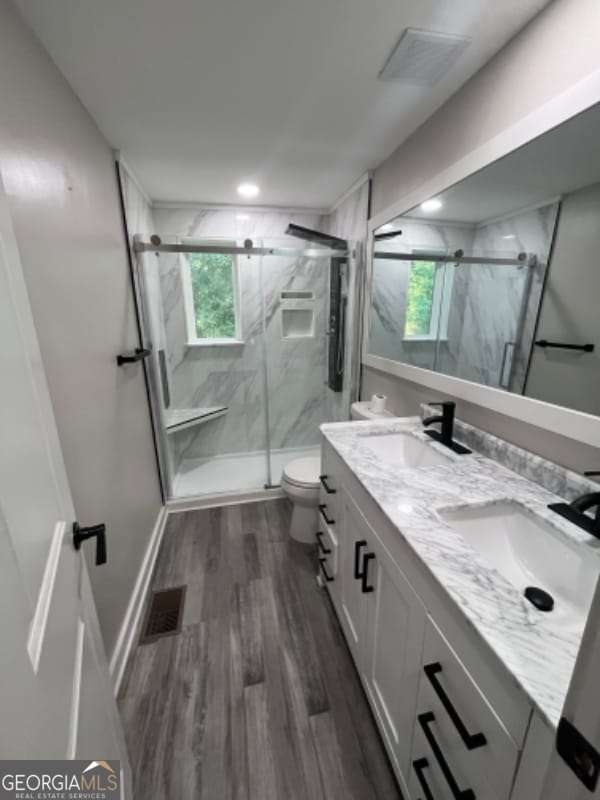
[[60, 176], [558, 48]]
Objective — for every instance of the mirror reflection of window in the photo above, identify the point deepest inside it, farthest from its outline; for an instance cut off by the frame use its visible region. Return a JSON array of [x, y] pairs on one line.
[[427, 300]]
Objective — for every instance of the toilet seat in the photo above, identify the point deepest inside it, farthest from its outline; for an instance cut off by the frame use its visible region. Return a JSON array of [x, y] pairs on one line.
[[303, 472]]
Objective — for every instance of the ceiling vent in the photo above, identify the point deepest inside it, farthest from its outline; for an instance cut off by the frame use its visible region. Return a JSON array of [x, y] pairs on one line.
[[423, 57]]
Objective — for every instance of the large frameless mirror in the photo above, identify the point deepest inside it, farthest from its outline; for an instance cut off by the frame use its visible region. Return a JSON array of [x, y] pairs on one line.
[[497, 279]]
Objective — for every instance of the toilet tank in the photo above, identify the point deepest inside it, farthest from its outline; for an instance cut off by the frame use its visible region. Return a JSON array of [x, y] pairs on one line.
[[362, 410]]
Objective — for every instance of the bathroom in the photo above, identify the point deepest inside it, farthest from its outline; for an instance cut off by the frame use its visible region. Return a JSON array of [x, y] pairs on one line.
[[300, 476]]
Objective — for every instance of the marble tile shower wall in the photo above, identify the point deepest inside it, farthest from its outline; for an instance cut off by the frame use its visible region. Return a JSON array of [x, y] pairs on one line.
[[489, 304], [349, 221], [233, 375], [529, 232], [390, 287], [494, 306]]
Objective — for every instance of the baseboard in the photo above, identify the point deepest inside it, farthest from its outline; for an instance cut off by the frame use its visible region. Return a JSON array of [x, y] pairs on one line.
[[132, 620]]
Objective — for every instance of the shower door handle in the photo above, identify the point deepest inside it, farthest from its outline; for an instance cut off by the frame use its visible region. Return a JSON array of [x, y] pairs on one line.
[[506, 384], [130, 358]]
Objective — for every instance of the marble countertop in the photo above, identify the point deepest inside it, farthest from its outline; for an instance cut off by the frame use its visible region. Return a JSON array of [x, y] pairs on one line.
[[539, 652]]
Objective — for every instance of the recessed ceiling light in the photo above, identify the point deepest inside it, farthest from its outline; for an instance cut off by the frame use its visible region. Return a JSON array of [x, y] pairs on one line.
[[248, 190], [431, 205], [509, 236], [242, 217]]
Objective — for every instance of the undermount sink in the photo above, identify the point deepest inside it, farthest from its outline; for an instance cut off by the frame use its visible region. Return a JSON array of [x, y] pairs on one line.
[[529, 552], [404, 450]]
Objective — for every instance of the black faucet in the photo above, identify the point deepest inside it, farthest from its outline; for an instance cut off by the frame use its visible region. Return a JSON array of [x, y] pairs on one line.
[[575, 512], [445, 435]]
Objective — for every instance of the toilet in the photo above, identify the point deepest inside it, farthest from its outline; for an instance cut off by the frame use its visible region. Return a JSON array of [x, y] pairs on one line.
[[300, 482]]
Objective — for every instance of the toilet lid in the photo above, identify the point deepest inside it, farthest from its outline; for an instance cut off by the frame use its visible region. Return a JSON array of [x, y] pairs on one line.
[[303, 471]]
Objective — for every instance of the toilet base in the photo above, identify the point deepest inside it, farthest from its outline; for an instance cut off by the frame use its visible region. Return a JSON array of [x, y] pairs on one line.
[[304, 523]]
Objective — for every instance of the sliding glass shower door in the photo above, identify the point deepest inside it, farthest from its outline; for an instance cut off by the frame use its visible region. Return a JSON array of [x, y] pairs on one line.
[[239, 360]]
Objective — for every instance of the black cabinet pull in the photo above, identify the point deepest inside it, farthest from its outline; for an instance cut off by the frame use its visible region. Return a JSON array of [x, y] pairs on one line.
[[322, 562], [458, 794], [358, 546], [137, 355], [585, 348], [365, 588], [326, 486], [471, 740], [325, 550], [323, 513], [419, 765], [81, 534]]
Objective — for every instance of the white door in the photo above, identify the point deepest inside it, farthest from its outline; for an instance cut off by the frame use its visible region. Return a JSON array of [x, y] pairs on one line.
[[569, 312], [56, 699]]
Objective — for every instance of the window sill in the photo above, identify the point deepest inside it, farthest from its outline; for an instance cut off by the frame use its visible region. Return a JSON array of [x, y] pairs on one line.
[[215, 343], [409, 339]]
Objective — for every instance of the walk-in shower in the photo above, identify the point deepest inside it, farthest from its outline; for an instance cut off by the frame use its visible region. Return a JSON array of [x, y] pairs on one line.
[[248, 344]]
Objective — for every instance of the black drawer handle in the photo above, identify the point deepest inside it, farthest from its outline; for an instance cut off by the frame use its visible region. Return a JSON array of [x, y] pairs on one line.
[[358, 546], [471, 740], [322, 508], [459, 794], [137, 355], [325, 550], [322, 562], [365, 588], [326, 486], [418, 766]]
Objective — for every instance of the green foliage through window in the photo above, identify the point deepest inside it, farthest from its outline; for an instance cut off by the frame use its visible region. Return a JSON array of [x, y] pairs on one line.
[[419, 302], [213, 293]]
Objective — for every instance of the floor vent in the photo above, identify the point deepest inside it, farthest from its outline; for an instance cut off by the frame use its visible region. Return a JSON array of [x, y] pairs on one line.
[[164, 614]]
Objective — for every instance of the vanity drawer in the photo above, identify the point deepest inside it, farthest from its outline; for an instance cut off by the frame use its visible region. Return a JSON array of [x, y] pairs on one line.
[[452, 711], [329, 490]]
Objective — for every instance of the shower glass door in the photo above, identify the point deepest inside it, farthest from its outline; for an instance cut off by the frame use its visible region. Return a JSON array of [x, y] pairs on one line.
[[238, 369], [296, 303], [203, 316]]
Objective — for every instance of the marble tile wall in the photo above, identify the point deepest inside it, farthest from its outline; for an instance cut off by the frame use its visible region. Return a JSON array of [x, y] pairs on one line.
[[349, 221], [233, 375], [390, 285], [489, 304], [493, 305]]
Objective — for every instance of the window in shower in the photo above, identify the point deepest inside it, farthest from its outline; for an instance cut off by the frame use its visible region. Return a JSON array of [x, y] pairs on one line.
[[428, 300], [211, 298]]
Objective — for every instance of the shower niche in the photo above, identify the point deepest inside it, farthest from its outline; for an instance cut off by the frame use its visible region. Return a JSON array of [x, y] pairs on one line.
[[297, 315]]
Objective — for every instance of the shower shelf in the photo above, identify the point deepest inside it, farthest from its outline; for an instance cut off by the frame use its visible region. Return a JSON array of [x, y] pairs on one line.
[[178, 419]]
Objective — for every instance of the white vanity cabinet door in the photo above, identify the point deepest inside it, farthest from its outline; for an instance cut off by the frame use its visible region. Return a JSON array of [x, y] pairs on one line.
[[354, 538], [395, 630]]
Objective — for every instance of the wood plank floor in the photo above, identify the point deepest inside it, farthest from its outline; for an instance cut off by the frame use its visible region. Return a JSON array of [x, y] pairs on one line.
[[257, 697]]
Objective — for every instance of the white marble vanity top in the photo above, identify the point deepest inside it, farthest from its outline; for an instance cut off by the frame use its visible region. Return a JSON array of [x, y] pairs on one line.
[[535, 649]]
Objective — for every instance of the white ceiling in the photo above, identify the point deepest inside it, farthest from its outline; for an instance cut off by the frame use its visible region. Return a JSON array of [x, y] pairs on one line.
[[561, 161], [202, 94]]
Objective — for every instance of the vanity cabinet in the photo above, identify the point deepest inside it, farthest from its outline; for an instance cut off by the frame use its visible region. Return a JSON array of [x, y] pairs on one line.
[[447, 737], [457, 733]]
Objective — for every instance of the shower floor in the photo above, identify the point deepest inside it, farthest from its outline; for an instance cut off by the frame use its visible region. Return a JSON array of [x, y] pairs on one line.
[[234, 472]]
